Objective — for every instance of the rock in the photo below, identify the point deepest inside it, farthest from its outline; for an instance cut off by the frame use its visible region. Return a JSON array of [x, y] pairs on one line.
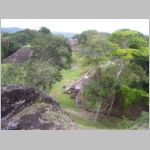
[[49, 99], [42, 117], [21, 110], [64, 86], [15, 98], [8, 125], [75, 87]]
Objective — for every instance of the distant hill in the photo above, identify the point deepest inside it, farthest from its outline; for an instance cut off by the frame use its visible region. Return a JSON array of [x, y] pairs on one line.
[[11, 30], [65, 34], [105, 34], [16, 29]]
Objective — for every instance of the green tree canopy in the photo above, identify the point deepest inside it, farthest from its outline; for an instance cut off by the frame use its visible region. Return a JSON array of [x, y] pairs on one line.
[[126, 38], [52, 49], [44, 30]]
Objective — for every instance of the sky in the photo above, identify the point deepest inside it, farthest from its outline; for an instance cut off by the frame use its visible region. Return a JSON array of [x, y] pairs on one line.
[[80, 25]]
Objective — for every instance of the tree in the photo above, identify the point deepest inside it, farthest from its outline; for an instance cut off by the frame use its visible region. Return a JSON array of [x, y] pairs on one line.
[[125, 48], [13, 41], [133, 74], [41, 75], [95, 50], [24, 37], [44, 30], [8, 46], [50, 54], [52, 49], [126, 38], [13, 74], [38, 74]]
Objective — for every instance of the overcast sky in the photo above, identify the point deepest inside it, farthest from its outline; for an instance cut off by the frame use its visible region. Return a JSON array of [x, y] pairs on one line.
[[79, 25]]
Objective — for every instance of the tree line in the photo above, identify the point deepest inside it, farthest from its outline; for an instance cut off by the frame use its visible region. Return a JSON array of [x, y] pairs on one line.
[[125, 78], [125, 52], [50, 54]]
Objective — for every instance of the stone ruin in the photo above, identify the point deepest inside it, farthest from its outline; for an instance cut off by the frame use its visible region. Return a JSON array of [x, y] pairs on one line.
[[15, 98], [26, 108], [76, 87]]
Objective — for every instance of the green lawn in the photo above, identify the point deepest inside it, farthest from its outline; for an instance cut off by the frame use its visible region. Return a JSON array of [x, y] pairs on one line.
[[105, 123], [57, 90]]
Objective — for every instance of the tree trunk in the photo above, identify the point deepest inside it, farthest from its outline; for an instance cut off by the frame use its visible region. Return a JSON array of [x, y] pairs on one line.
[[120, 71], [98, 109], [113, 100]]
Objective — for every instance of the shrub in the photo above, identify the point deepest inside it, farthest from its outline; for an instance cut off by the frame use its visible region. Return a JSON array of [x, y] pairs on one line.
[[41, 75], [141, 123], [37, 74], [131, 96], [12, 74], [144, 118], [125, 123]]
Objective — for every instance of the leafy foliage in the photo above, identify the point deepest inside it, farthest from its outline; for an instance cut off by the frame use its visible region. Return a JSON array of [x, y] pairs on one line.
[[12, 74], [24, 37], [50, 54], [141, 123], [14, 41], [44, 30], [131, 96], [8, 46], [52, 49], [128, 50], [96, 91], [95, 48], [41, 75], [126, 38], [125, 123], [144, 118], [127, 74], [37, 74], [134, 76]]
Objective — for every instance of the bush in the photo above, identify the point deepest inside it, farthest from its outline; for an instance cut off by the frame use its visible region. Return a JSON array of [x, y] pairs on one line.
[[131, 96], [144, 118], [141, 123], [41, 75], [13, 74], [37, 74], [125, 123]]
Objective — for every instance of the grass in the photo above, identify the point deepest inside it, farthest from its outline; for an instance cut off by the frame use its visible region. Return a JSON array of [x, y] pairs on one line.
[[57, 90], [105, 123], [141, 123]]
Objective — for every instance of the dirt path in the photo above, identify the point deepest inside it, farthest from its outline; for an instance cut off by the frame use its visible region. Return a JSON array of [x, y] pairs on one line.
[[81, 113]]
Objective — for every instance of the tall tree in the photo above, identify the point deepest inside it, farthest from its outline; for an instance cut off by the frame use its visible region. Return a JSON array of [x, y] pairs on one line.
[[52, 49], [95, 50]]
